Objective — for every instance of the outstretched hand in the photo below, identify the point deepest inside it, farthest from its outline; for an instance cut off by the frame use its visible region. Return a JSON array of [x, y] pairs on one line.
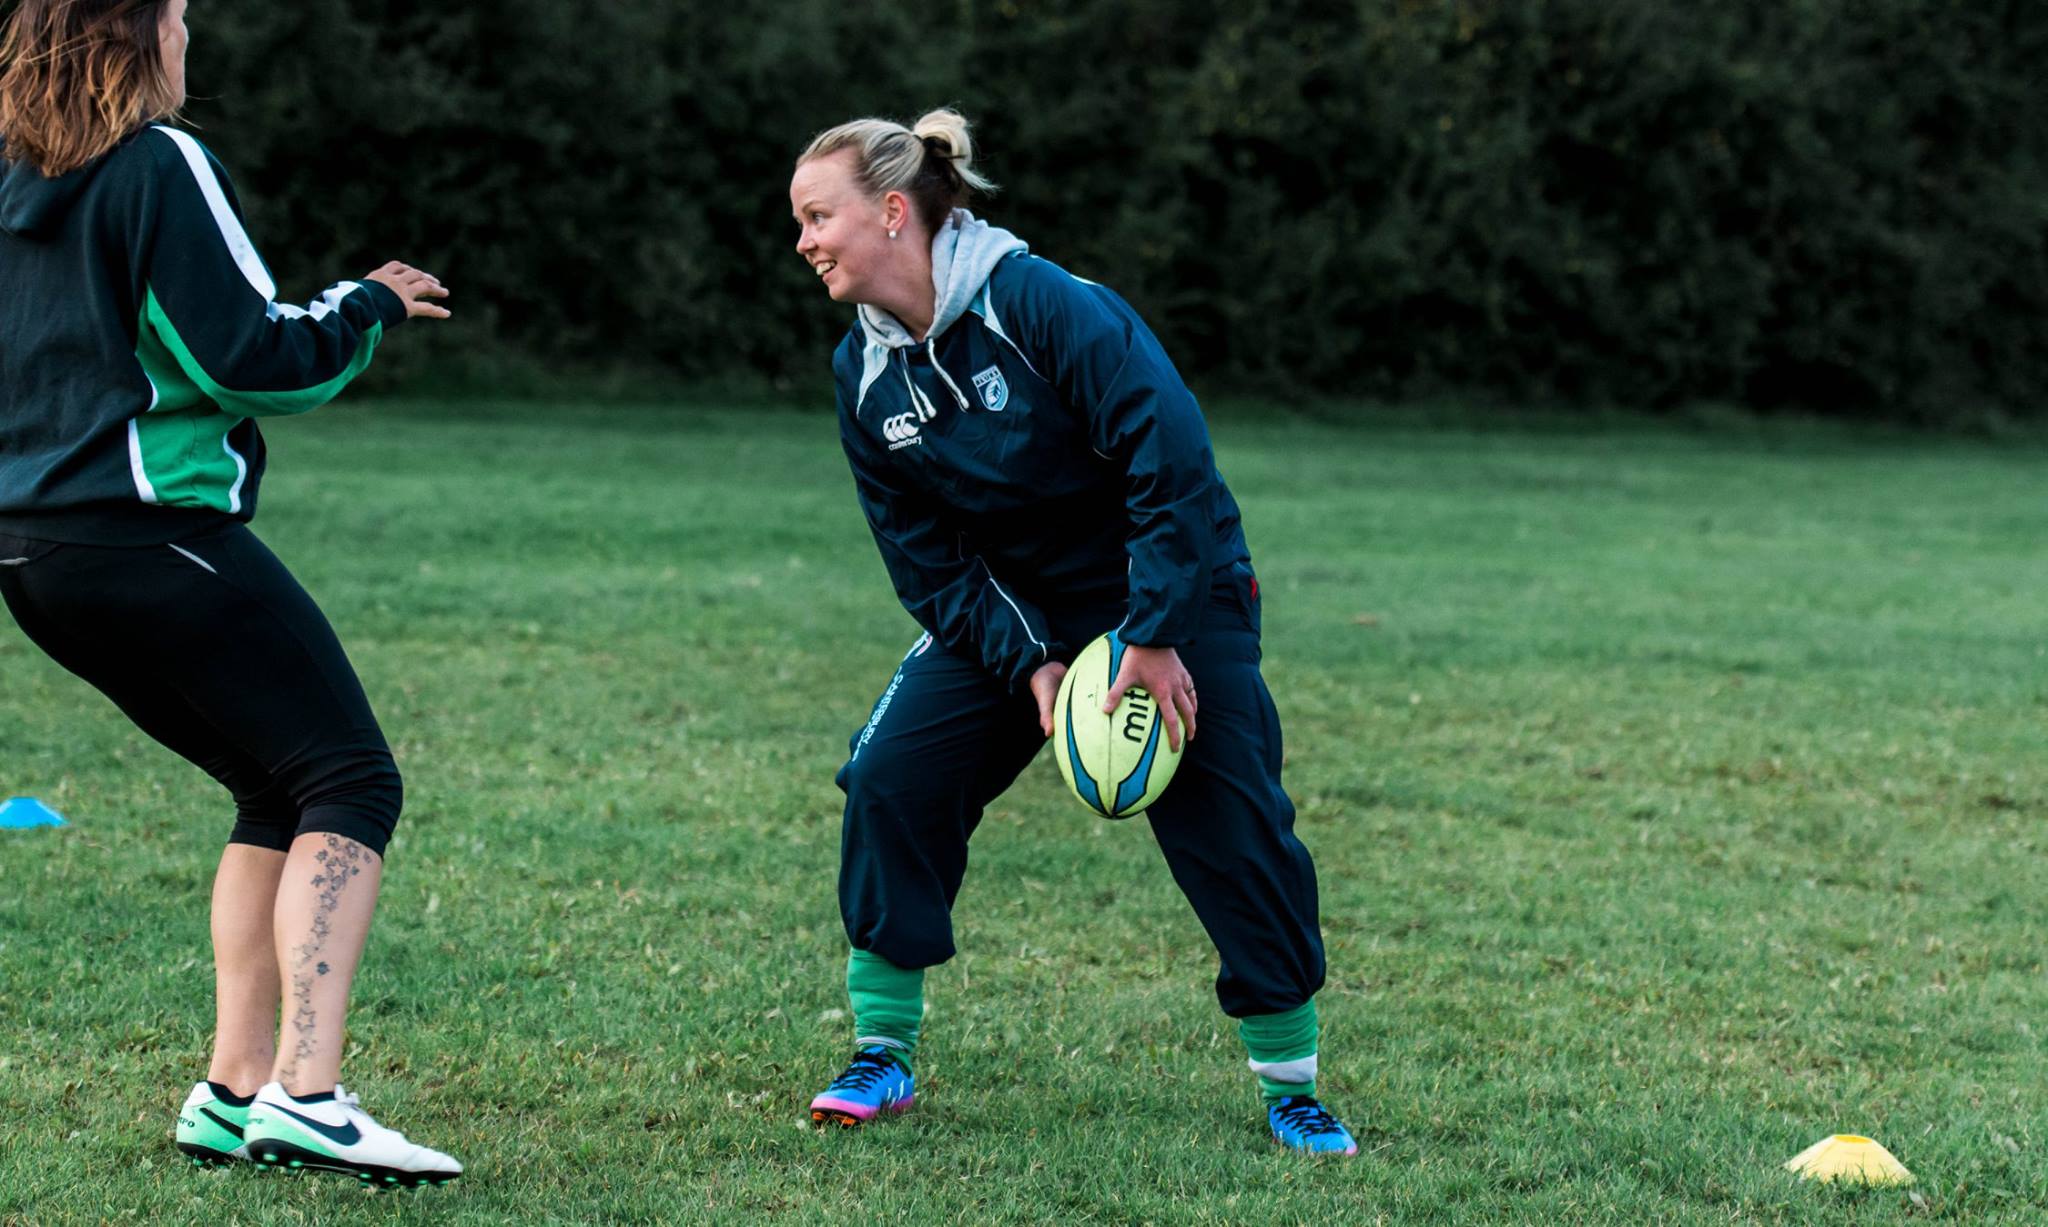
[[413, 287], [1045, 687], [1159, 673]]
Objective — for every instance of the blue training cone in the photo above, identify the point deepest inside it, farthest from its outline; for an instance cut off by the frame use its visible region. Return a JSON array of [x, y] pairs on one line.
[[21, 813]]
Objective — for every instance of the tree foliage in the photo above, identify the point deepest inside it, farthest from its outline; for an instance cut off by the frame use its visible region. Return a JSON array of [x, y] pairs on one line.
[[1836, 204]]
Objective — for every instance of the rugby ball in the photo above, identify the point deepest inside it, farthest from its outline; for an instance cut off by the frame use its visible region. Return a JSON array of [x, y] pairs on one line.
[[1119, 763]]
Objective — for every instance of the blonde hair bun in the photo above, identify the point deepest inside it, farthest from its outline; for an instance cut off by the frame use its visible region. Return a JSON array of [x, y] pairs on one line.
[[945, 132]]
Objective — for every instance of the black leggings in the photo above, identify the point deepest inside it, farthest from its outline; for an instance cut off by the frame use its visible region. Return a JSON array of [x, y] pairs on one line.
[[211, 647]]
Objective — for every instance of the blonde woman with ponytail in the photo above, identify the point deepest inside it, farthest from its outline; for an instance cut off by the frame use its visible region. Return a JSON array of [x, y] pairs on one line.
[[140, 340], [1036, 474]]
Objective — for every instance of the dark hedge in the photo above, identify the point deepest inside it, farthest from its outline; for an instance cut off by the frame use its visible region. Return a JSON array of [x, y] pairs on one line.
[[1831, 204]]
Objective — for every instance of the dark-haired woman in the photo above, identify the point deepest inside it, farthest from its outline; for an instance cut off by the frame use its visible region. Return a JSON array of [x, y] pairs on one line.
[[1036, 474], [140, 339]]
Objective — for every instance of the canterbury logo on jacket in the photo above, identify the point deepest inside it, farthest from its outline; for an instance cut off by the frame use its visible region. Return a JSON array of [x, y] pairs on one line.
[[1036, 451], [140, 337]]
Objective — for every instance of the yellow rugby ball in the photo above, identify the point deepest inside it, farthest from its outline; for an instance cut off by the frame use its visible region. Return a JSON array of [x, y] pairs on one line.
[[1119, 763]]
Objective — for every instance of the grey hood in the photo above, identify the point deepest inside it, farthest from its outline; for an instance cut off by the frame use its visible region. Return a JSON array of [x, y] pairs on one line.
[[964, 252]]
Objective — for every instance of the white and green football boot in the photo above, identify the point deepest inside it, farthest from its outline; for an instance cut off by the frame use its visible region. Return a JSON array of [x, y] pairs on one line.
[[332, 1134], [210, 1128]]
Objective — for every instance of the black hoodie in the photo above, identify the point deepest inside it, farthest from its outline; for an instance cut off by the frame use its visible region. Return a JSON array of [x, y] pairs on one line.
[[139, 337]]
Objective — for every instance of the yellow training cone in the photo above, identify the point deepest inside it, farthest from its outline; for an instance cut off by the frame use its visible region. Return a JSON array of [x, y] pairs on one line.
[[1850, 1159]]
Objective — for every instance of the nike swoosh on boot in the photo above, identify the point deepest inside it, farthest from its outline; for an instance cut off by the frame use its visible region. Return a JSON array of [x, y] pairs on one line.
[[341, 1135]]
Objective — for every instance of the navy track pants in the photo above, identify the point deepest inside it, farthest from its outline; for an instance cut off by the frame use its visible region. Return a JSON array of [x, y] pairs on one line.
[[946, 738]]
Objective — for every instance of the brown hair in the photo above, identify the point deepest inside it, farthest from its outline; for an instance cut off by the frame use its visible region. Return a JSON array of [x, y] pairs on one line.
[[931, 162], [80, 75]]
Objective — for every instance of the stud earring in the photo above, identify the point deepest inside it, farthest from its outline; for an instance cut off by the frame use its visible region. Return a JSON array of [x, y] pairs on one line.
[[892, 234]]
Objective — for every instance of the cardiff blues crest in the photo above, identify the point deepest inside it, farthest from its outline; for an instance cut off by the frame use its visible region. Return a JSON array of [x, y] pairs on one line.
[[994, 389]]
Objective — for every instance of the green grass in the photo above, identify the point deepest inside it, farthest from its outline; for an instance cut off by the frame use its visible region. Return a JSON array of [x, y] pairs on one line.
[[1678, 798]]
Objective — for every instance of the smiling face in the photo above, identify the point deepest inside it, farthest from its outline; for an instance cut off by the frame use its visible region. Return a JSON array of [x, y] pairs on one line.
[[842, 233], [172, 38]]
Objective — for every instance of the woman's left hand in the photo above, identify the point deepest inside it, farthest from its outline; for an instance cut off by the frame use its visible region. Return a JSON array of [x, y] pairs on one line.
[[414, 286], [1159, 673]]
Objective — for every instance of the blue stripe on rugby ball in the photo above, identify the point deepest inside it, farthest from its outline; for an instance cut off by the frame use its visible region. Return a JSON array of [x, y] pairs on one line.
[[1132, 790], [1116, 657], [1084, 784]]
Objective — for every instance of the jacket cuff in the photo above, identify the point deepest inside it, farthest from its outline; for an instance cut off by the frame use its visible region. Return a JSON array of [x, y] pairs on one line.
[[1157, 630], [390, 307], [1020, 678]]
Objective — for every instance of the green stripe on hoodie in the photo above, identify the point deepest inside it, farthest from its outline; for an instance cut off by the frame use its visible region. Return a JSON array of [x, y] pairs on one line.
[[253, 403], [179, 450]]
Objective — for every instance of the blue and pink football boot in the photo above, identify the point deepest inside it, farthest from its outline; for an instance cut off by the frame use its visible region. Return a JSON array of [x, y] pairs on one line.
[[875, 1082], [1300, 1123]]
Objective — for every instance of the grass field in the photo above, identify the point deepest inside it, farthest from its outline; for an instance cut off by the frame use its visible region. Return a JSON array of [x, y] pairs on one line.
[[1679, 797]]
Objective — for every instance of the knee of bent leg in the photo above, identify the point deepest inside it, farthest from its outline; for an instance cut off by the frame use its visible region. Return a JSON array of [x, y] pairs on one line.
[[889, 791], [870, 772], [265, 818], [358, 797]]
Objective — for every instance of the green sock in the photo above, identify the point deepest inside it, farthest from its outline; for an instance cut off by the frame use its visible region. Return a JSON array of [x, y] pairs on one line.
[[888, 1002], [1282, 1048]]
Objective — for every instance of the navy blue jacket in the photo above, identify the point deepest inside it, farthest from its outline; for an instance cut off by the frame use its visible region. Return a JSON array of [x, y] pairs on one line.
[[1040, 453]]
